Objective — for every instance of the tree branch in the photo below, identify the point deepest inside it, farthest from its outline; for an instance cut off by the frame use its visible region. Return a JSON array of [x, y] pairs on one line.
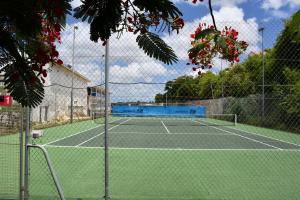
[[212, 14]]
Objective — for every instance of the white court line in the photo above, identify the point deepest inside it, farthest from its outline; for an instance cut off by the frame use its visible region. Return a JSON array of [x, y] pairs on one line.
[[170, 149], [101, 133], [76, 134], [266, 137], [165, 126], [145, 133], [263, 136], [245, 137]]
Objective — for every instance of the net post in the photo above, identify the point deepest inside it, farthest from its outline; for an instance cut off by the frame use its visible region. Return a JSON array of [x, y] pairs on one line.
[[235, 119], [106, 158]]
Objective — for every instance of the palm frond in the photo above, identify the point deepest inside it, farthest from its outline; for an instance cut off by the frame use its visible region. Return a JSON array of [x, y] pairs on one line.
[[155, 47], [26, 92], [104, 16], [164, 6]]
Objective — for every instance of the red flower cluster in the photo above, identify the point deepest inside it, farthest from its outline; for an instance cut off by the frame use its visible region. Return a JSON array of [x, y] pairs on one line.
[[47, 52], [208, 43], [206, 51], [234, 47], [45, 49]]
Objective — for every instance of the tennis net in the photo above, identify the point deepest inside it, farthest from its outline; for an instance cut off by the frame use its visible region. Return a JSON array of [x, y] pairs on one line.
[[168, 120]]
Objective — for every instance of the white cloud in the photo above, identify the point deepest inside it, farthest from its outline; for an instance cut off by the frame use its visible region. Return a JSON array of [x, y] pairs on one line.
[[129, 64], [228, 2], [277, 4], [216, 2], [272, 4], [75, 3], [137, 72], [280, 14]]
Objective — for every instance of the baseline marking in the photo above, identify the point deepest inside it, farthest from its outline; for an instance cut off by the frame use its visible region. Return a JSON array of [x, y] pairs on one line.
[[165, 126], [101, 133], [72, 135], [76, 134], [151, 133], [245, 137], [170, 149]]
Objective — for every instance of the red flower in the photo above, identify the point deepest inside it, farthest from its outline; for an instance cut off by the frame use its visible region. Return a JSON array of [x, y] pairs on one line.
[[44, 72], [59, 62], [143, 30], [129, 19], [33, 79], [56, 27], [54, 53], [130, 29], [59, 11], [198, 30], [179, 22]]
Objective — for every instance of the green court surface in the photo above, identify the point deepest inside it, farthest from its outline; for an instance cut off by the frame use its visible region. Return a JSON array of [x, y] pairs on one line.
[[168, 159]]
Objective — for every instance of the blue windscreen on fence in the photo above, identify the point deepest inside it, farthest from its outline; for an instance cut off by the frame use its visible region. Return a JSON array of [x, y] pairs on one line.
[[156, 110]]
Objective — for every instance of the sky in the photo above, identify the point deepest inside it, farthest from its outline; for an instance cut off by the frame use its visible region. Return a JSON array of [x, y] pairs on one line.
[[136, 77]]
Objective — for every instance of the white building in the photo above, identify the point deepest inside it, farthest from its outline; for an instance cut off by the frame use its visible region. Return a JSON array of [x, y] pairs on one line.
[[96, 100], [56, 105]]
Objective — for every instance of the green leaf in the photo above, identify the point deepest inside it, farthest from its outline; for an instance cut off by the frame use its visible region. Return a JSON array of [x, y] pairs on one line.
[[18, 75], [155, 47], [197, 48], [163, 6], [21, 88], [205, 33], [104, 16]]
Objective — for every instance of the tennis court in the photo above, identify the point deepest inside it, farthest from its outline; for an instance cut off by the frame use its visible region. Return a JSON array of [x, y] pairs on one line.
[[168, 158], [171, 133]]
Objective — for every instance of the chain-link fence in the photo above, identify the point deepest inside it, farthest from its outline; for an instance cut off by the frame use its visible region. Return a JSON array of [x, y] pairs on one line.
[[10, 152], [231, 132]]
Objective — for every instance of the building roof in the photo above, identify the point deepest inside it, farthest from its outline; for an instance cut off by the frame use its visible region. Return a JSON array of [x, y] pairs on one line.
[[76, 73]]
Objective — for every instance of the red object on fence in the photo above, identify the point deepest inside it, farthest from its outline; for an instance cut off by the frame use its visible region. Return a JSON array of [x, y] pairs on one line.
[[6, 100]]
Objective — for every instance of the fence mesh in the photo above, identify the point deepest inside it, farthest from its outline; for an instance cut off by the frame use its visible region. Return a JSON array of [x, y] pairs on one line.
[[155, 153], [10, 124]]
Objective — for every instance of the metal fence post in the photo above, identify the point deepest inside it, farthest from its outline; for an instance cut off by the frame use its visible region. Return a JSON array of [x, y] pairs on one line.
[[263, 71], [106, 159], [72, 87], [21, 180], [26, 178]]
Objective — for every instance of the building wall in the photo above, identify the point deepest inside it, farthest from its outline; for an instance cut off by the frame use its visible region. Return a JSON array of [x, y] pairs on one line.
[[56, 105]]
